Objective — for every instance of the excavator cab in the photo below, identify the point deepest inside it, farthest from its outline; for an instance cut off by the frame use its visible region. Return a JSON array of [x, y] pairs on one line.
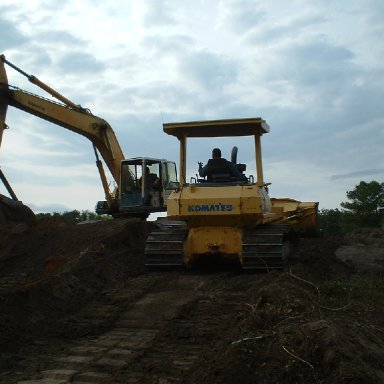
[[146, 183], [145, 186]]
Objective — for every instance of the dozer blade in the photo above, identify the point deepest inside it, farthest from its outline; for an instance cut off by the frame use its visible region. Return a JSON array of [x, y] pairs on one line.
[[164, 246], [266, 247]]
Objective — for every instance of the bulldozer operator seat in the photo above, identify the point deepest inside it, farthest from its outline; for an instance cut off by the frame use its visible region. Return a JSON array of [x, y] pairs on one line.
[[218, 170]]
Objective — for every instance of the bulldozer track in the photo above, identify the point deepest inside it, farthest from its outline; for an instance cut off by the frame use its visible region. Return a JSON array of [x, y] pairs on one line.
[[161, 332], [266, 247], [164, 246]]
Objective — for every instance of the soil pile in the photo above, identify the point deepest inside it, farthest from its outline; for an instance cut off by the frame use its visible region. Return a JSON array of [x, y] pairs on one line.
[[14, 211], [50, 271], [318, 321]]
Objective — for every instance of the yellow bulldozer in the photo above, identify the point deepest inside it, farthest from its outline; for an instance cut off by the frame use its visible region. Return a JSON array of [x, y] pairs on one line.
[[227, 214]]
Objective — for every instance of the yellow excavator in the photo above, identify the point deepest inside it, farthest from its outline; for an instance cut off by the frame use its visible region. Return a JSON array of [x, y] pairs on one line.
[[227, 215], [142, 184]]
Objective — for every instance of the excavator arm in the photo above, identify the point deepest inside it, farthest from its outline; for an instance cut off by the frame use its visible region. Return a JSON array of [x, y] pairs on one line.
[[133, 196], [67, 115]]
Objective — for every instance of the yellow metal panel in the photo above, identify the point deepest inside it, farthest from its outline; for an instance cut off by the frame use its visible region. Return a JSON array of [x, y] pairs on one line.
[[240, 206], [173, 204], [213, 240], [259, 161], [210, 200], [183, 159], [302, 215]]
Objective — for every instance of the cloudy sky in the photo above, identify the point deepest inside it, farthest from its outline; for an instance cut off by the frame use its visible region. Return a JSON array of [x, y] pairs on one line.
[[312, 69]]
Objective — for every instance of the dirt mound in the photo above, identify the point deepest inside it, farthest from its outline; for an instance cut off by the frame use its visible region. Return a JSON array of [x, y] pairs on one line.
[[294, 332], [51, 270], [364, 250], [318, 321], [12, 212]]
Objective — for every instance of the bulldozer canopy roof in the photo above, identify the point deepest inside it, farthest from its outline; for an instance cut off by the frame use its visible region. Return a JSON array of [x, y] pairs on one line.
[[218, 128]]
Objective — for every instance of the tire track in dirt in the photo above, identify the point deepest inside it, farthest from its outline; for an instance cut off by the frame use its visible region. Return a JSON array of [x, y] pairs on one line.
[[158, 337]]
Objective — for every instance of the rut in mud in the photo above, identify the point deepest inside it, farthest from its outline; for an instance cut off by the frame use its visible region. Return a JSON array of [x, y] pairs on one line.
[[79, 306]]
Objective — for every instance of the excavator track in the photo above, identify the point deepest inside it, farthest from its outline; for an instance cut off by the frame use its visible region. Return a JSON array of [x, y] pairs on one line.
[[164, 246], [266, 247]]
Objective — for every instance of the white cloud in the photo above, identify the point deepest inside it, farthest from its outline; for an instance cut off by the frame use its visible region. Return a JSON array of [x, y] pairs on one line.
[[313, 70]]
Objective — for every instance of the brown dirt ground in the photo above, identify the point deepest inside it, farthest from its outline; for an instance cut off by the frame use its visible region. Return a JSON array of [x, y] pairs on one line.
[[318, 321]]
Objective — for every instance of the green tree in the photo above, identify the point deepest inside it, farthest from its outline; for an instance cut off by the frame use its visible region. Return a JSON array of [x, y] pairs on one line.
[[330, 221], [71, 217], [366, 205]]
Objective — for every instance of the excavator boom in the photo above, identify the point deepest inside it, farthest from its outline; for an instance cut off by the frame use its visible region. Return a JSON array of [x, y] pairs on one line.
[[69, 116], [133, 196], [97, 130]]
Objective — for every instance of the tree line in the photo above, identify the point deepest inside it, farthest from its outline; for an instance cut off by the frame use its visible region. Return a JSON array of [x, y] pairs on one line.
[[74, 217], [364, 209]]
